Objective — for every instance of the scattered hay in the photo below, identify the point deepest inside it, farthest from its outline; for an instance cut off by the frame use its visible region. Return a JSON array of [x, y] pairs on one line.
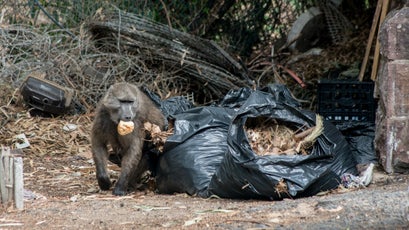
[[47, 135], [281, 188], [157, 136], [271, 138]]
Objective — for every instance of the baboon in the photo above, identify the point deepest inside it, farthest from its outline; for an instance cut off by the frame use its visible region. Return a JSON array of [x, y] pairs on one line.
[[122, 102]]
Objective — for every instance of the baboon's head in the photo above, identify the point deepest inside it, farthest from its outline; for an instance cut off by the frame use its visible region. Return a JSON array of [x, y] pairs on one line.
[[122, 102]]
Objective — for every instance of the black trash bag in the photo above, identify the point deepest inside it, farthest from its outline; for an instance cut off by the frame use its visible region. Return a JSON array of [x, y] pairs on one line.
[[205, 158], [175, 105], [281, 94], [193, 153], [360, 136], [244, 174], [169, 108], [237, 97]]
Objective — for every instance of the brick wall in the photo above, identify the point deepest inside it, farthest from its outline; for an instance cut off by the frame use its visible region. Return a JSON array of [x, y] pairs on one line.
[[392, 118]]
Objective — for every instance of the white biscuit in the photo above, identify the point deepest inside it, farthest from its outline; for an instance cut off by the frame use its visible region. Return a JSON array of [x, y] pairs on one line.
[[125, 127]]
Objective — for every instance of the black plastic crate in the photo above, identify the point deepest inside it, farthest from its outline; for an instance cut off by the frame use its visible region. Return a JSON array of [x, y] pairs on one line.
[[341, 101]]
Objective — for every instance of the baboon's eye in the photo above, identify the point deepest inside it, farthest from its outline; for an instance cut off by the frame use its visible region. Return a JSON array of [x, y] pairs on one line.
[[113, 104], [126, 101]]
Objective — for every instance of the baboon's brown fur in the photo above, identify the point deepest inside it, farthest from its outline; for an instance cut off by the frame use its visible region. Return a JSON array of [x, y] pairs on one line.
[[122, 101]]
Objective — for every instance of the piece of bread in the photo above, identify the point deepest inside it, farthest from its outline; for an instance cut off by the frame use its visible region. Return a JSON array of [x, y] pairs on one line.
[[125, 127]]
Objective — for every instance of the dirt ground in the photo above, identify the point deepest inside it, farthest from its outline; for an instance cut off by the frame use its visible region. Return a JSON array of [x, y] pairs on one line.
[[61, 192]]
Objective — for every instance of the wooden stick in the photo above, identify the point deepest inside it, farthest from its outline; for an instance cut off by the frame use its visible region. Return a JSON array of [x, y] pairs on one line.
[[293, 75], [385, 6], [304, 133], [226, 55], [10, 178], [3, 178], [18, 183], [370, 39]]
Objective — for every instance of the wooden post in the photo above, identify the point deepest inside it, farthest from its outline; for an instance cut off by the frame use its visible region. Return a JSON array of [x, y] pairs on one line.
[[370, 39], [11, 178], [3, 178], [18, 183], [385, 7]]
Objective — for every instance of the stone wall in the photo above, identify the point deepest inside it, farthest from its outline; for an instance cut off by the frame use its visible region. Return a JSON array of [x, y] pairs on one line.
[[392, 118]]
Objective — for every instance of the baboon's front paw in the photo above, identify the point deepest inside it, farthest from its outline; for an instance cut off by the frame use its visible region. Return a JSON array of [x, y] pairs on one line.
[[119, 192], [104, 183]]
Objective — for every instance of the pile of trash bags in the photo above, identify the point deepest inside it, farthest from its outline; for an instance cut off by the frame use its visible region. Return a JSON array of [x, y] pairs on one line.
[[209, 153]]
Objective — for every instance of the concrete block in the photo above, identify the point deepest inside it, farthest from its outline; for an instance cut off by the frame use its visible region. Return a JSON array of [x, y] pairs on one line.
[[393, 83], [392, 143]]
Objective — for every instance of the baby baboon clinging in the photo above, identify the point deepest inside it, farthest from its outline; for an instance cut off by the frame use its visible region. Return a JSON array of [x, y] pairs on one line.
[[122, 102]]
